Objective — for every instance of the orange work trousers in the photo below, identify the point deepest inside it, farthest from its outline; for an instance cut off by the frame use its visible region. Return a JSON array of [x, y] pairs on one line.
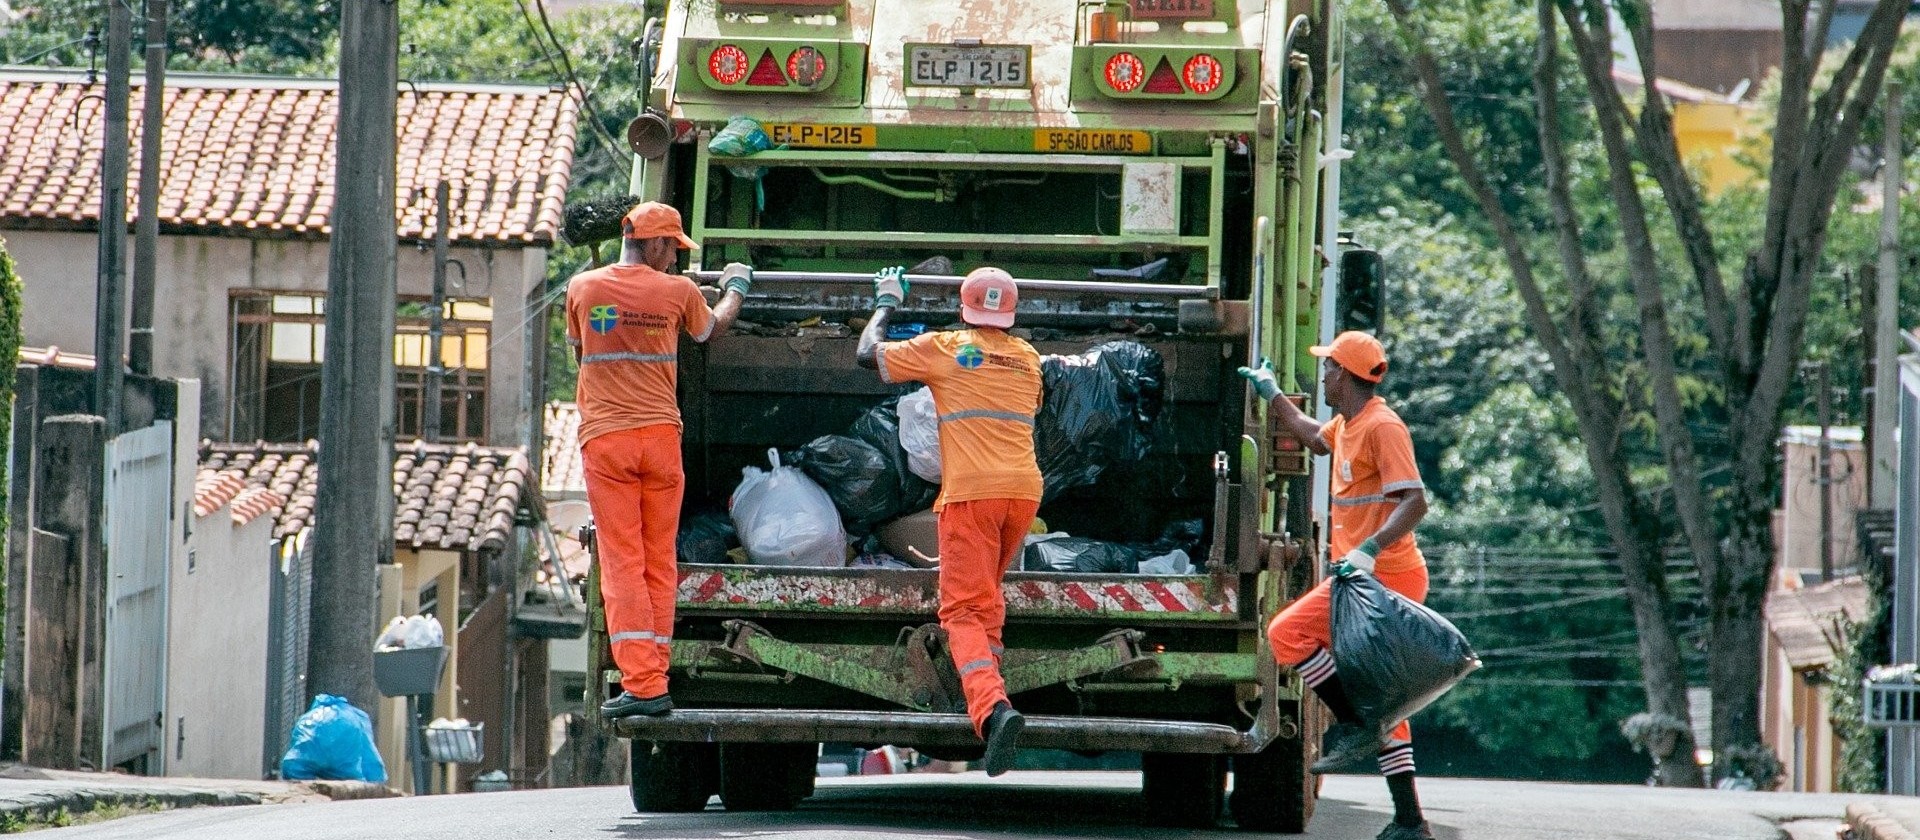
[[1306, 625], [634, 485], [979, 539]]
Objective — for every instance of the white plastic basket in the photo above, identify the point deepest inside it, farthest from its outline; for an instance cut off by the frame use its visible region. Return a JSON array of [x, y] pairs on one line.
[[1890, 704], [457, 744]]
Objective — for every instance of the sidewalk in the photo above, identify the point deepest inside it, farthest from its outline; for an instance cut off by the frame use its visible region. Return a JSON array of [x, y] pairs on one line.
[[1885, 818], [32, 796]]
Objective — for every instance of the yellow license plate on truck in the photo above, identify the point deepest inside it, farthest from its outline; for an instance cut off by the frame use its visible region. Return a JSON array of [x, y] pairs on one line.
[[821, 135], [1092, 141]]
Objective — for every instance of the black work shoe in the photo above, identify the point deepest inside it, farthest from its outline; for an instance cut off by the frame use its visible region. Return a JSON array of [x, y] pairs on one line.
[[1347, 744], [1001, 731], [1396, 831], [628, 705]]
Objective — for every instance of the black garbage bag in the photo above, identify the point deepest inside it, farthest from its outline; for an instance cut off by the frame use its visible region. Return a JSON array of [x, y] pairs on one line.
[[865, 471], [705, 538], [1079, 554], [1099, 408], [1395, 656]]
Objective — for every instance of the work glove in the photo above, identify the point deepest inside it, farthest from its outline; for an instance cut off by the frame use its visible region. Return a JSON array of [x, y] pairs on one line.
[[1358, 559], [1262, 378], [736, 277], [889, 286]]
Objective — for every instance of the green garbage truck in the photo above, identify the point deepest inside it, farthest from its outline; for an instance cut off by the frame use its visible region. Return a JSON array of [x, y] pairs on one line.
[[1158, 171]]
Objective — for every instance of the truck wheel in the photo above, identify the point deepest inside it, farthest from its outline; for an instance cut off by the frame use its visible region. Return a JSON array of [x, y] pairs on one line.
[[1183, 790], [1272, 790], [671, 777], [766, 777]]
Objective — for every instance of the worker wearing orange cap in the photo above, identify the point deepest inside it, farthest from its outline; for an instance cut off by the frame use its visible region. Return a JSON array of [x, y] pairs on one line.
[[624, 322], [986, 391], [1377, 498]]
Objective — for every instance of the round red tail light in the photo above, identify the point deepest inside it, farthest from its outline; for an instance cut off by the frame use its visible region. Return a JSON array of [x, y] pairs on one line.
[[1202, 74], [806, 66], [728, 64], [1125, 72]]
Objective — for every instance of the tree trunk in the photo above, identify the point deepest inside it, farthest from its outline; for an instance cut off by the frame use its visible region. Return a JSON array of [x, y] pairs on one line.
[[1736, 629]]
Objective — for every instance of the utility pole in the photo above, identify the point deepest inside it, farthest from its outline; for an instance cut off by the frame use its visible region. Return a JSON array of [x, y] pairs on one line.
[[436, 371], [1825, 468], [110, 304], [146, 230], [353, 502], [1886, 389]]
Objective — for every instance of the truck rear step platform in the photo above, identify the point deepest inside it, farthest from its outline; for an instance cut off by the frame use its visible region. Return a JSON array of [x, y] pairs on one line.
[[924, 729]]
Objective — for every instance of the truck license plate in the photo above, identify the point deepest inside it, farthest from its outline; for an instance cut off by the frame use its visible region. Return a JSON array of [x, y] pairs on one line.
[[947, 65], [1092, 141], [821, 135]]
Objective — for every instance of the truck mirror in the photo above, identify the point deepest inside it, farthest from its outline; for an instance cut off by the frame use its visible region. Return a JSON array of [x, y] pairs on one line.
[[1362, 301]]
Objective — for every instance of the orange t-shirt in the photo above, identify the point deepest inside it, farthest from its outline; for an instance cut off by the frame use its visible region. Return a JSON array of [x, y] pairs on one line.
[[1372, 457], [627, 319], [986, 391]]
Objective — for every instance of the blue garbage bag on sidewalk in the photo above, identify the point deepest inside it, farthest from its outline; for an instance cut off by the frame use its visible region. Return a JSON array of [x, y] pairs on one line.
[[333, 740]]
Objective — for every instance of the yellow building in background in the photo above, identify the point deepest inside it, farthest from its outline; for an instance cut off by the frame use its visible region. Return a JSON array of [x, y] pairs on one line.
[[1718, 136]]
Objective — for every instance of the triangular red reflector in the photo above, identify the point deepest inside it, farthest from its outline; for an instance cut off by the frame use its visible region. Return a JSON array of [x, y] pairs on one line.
[[1163, 80], [767, 73]]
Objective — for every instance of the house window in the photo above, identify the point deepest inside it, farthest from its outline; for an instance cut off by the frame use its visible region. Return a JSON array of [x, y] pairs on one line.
[[278, 341]]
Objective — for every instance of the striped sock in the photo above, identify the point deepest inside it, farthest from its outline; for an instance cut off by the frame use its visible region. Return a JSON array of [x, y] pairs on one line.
[[1396, 763], [1320, 675]]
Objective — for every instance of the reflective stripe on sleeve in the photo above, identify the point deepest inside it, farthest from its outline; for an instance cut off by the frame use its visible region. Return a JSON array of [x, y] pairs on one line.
[[632, 636], [1415, 484]]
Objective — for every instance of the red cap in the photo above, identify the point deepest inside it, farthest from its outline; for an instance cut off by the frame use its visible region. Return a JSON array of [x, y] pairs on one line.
[[1359, 353], [651, 220], [988, 297]]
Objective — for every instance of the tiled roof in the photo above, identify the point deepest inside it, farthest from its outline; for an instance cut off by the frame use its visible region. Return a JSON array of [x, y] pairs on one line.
[[1810, 623], [55, 357], [455, 497], [560, 475], [254, 156], [213, 490]]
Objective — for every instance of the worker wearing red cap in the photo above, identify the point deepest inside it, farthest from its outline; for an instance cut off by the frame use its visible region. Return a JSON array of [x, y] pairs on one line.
[[1376, 500], [986, 391], [624, 322]]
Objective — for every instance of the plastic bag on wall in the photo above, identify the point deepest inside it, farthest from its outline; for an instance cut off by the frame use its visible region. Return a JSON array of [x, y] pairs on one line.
[[332, 740], [784, 519]]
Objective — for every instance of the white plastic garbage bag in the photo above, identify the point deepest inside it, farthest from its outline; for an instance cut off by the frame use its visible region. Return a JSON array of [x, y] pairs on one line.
[[784, 519], [416, 631], [920, 434]]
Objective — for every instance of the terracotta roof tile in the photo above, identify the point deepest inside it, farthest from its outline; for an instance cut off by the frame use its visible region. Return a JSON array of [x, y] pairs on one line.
[[560, 473], [455, 497], [1809, 622], [256, 154]]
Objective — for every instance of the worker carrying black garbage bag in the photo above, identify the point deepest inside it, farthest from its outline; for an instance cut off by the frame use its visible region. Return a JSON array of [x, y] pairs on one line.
[[1377, 499]]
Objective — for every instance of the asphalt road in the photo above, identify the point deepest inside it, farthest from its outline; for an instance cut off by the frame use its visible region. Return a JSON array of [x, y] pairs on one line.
[[1018, 805]]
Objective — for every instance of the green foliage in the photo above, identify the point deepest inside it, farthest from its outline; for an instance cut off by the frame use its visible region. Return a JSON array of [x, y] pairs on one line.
[[10, 297], [250, 36]]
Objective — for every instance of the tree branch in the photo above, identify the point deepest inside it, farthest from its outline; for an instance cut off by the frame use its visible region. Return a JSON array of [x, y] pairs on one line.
[[1582, 326]]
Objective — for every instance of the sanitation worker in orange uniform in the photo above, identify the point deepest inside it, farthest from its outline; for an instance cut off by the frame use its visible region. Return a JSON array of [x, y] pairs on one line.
[[1377, 498], [986, 391], [624, 322]]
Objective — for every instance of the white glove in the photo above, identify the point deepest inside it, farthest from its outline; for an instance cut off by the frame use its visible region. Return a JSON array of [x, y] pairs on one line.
[[1359, 558], [737, 277]]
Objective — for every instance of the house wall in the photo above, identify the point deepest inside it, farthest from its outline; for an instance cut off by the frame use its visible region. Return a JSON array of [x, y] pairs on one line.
[[217, 656], [400, 587], [191, 306], [1799, 544]]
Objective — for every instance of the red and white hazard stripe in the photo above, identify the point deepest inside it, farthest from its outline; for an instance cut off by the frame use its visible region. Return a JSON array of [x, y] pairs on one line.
[[1162, 595]]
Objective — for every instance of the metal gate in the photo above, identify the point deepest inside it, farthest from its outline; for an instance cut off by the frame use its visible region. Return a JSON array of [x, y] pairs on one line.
[[139, 508], [288, 618]]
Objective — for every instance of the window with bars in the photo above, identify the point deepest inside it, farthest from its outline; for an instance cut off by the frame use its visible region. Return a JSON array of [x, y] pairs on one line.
[[278, 341]]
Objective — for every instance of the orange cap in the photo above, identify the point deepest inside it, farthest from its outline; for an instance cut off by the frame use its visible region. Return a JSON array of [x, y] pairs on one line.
[[651, 219], [988, 297], [1359, 353]]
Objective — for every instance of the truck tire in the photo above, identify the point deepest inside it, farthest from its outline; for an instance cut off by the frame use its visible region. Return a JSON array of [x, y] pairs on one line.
[[1272, 790], [1183, 790], [766, 777], [671, 777]]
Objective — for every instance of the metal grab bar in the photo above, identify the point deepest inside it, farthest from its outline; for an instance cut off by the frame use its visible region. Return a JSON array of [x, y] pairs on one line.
[[942, 280]]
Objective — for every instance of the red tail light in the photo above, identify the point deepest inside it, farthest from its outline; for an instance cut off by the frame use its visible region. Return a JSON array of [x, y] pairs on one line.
[[1202, 74], [1163, 80], [806, 66], [767, 73], [728, 64], [1125, 72]]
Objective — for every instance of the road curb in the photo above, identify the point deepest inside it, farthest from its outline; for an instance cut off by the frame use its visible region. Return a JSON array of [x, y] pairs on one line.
[[40, 808], [1870, 823]]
